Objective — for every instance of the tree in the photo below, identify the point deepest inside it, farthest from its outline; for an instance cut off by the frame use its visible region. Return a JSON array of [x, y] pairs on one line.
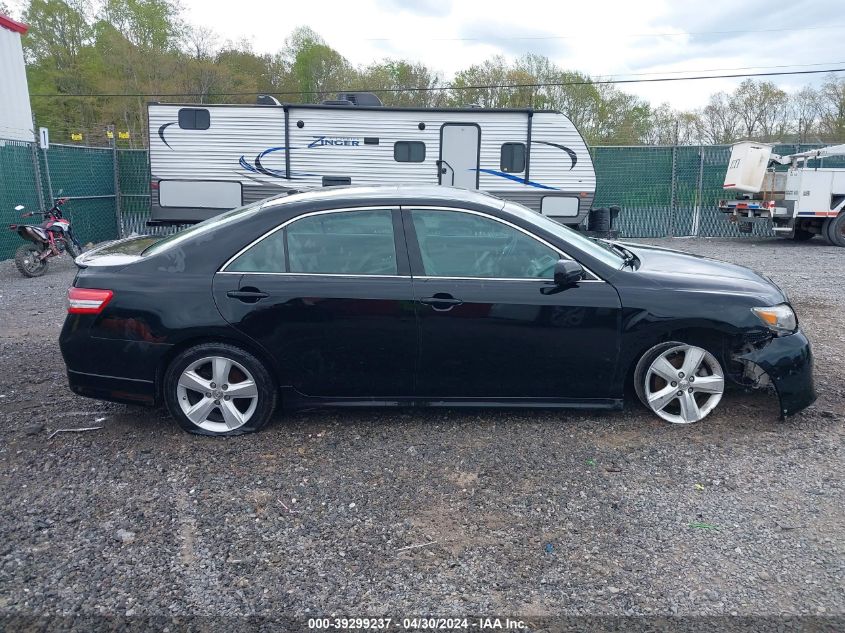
[[718, 121], [144, 50], [480, 85], [831, 99], [805, 113], [762, 109], [150, 25], [391, 76], [317, 70]]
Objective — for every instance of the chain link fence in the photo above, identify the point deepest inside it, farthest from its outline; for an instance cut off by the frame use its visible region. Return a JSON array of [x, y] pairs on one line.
[[108, 189], [675, 190], [663, 190]]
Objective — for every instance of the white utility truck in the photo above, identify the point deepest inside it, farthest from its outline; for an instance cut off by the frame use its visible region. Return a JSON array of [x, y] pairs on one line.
[[801, 202]]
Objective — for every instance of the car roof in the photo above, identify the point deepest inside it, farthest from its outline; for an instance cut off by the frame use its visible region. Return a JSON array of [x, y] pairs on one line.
[[385, 194]]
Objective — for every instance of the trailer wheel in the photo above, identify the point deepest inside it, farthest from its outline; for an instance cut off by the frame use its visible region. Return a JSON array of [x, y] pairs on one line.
[[834, 230]]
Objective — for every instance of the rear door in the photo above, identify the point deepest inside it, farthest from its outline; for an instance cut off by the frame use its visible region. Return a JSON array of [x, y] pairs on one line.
[[329, 296], [460, 154]]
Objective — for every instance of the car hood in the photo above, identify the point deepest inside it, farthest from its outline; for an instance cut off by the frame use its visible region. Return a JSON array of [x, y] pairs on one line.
[[693, 272]]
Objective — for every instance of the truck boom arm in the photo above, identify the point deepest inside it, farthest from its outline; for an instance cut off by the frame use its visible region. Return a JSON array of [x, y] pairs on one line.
[[833, 150]]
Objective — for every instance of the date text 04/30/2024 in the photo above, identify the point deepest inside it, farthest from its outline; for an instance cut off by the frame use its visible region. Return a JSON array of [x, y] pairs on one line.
[[415, 624]]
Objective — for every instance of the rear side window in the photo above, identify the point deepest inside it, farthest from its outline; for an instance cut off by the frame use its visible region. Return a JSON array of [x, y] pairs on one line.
[[409, 151], [194, 119], [513, 158], [267, 256], [347, 242]]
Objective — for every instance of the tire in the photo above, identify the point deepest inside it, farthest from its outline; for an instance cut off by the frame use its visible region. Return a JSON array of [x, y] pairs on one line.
[[71, 249], [677, 408], [213, 412], [25, 262], [835, 230], [802, 235]]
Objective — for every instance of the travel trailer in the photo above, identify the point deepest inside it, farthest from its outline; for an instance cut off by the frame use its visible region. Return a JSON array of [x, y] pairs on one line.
[[205, 159]]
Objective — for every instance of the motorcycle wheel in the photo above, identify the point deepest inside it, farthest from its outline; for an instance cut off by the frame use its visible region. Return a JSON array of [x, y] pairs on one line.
[[28, 262]]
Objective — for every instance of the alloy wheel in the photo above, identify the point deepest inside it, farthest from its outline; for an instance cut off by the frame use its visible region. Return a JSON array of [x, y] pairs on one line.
[[684, 384], [217, 394]]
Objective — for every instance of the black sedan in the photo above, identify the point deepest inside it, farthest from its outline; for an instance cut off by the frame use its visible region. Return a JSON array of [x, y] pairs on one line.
[[417, 295]]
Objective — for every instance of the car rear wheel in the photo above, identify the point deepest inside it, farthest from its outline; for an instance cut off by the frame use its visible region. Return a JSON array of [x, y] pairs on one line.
[[680, 383], [219, 389]]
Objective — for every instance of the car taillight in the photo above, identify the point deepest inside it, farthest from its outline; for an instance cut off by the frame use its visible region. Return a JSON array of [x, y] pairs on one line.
[[87, 300]]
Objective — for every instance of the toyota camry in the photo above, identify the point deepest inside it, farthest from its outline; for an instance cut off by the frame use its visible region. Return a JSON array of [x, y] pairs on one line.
[[417, 295]]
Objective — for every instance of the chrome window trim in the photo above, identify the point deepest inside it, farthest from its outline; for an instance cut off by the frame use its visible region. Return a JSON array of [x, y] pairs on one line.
[[358, 276], [595, 277], [411, 277], [291, 221], [560, 253], [534, 279]]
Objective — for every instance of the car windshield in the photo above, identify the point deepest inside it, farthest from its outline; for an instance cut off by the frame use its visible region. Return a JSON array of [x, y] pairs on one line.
[[203, 227], [596, 248]]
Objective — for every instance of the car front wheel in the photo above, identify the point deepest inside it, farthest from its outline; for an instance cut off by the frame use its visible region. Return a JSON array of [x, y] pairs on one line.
[[219, 389], [680, 383]]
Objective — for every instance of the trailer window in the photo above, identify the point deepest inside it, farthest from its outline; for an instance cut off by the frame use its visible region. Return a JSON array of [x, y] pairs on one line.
[[513, 158], [409, 151], [194, 119]]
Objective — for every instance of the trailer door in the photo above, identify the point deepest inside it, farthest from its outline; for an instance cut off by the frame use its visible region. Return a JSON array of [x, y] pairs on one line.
[[460, 153]]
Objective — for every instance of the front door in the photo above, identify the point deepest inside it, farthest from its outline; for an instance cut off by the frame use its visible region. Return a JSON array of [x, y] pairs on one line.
[[460, 151], [329, 296], [492, 323]]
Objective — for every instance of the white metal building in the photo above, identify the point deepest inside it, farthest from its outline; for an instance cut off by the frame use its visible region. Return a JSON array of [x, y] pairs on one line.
[[15, 113]]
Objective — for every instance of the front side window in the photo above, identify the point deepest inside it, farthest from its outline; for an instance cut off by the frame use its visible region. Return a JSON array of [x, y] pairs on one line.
[[409, 151], [194, 119], [458, 244], [512, 160], [348, 242]]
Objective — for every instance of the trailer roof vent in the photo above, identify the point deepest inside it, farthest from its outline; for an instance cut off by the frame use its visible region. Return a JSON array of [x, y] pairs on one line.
[[367, 99], [337, 102], [267, 100]]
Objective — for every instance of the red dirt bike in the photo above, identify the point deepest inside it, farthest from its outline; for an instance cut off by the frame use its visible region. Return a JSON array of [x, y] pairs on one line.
[[51, 239]]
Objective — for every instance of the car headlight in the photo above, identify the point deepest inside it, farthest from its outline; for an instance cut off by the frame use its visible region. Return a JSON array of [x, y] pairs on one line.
[[779, 319]]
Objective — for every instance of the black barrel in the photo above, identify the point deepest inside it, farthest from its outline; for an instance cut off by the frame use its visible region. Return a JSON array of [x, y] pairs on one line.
[[599, 219]]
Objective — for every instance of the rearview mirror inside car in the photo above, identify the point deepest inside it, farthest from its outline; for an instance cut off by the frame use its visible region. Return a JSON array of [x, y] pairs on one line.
[[568, 272]]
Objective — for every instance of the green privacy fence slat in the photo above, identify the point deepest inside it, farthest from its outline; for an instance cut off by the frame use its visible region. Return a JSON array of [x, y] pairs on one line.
[[86, 174], [662, 190], [18, 185], [134, 183]]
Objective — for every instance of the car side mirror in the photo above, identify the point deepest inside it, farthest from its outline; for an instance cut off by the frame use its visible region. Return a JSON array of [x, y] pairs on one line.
[[568, 272]]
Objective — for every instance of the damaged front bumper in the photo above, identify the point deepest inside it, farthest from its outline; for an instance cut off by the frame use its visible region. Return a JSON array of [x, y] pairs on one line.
[[788, 363]]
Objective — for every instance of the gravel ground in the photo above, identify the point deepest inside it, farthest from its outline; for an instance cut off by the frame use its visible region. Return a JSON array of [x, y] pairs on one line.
[[527, 513]]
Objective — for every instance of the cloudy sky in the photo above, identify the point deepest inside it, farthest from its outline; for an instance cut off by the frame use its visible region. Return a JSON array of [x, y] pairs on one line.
[[613, 39]]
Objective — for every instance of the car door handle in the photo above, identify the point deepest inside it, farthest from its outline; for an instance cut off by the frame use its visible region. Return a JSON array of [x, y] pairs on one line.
[[247, 296], [441, 302]]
